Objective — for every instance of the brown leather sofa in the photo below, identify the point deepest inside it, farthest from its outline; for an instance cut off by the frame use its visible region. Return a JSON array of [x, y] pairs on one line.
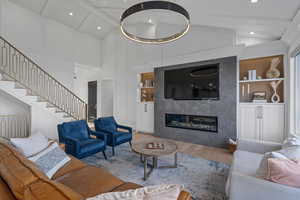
[[20, 179]]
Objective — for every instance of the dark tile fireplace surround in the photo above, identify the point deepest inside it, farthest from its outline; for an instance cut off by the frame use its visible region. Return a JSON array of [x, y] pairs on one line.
[[206, 122]]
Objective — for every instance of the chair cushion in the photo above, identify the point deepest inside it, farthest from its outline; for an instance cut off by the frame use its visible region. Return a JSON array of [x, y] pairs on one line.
[[90, 181], [76, 129], [91, 145], [108, 123], [122, 137]]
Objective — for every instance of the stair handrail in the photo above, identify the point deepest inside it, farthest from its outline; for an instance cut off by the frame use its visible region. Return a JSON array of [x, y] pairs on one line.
[[72, 114]]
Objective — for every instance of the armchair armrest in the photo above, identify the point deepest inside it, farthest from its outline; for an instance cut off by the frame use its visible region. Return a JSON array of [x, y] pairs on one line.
[[257, 146], [72, 145], [125, 127], [100, 135]]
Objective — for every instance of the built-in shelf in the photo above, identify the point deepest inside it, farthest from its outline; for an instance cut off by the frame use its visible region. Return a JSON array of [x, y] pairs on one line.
[[262, 80], [268, 103], [263, 85], [147, 87]]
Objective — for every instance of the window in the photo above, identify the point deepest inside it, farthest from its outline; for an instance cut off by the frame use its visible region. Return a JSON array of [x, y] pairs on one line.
[[297, 94]]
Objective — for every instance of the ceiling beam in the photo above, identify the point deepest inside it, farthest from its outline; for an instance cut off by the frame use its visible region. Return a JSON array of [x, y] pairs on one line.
[[293, 29], [98, 12], [44, 7]]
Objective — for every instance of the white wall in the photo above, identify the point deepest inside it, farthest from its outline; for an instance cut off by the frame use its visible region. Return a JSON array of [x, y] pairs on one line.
[[12, 106], [54, 46]]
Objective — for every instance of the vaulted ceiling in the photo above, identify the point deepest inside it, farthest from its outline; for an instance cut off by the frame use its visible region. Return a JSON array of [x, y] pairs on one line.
[[267, 19]]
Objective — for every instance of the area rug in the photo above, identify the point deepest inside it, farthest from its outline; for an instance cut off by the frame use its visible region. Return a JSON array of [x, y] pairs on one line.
[[204, 179]]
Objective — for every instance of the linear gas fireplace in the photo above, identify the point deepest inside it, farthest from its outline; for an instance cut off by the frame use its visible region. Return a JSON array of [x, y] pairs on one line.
[[201, 123]]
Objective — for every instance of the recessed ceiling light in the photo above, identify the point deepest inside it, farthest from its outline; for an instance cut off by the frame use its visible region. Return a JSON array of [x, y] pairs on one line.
[[254, 1], [71, 14], [252, 33], [99, 28]]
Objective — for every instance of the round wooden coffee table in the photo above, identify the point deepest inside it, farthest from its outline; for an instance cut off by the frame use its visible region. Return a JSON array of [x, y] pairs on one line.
[[145, 153]]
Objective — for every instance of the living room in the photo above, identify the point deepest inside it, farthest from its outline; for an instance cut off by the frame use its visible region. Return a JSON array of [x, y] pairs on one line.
[[119, 99]]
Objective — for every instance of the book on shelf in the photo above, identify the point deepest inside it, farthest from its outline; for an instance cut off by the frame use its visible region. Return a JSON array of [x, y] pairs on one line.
[[260, 101]]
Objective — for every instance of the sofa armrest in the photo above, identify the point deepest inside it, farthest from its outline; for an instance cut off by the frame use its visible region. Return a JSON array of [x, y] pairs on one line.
[[249, 187], [257, 146]]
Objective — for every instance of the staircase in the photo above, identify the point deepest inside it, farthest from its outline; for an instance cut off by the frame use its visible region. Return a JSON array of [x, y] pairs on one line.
[[24, 79]]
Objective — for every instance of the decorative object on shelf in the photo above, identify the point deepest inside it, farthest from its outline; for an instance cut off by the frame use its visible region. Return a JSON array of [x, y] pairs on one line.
[[259, 97], [259, 77], [245, 78], [273, 72], [155, 5], [252, 75], [275, 97]]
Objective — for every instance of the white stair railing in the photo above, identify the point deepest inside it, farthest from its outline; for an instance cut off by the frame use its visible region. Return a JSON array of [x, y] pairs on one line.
[[28, 75], [12, 126]]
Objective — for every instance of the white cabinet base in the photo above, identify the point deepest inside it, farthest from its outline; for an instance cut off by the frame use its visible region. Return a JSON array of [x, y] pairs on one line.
[[263, 122]]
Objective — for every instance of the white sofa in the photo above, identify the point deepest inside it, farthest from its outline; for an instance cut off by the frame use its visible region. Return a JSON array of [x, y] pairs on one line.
[[242, 184]]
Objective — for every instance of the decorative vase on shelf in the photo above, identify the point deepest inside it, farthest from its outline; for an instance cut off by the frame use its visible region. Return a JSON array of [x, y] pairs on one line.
[[275, 97], [273, 72]]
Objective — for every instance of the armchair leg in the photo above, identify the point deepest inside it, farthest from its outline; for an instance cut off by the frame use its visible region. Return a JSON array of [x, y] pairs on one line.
[[104, 155], [130, 143], [113, 151]]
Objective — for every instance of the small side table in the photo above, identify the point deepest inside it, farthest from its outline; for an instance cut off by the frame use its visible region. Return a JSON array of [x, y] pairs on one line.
[[170, 148]]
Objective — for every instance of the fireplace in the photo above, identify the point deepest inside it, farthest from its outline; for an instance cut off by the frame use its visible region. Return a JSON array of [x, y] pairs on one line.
[[194, 122]]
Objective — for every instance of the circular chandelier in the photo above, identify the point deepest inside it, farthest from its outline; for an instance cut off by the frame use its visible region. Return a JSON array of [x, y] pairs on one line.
[[155, 5]]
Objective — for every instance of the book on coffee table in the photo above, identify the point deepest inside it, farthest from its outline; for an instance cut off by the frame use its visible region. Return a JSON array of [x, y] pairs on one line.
[[155, 146]]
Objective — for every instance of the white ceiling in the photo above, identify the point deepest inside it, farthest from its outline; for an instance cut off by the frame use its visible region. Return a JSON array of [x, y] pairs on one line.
[[268, 18]]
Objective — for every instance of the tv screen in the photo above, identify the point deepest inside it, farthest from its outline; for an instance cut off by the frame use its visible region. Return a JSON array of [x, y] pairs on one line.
[[194, 83]]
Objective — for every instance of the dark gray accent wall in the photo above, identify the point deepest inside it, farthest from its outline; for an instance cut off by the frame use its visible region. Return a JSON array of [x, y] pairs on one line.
[[225, 108]]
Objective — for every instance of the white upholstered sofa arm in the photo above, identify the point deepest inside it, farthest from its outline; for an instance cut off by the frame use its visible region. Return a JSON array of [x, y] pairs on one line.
[[245, 187], [257, 146]]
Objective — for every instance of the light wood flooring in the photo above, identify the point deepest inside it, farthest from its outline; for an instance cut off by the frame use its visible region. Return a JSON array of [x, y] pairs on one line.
[[206, 152]]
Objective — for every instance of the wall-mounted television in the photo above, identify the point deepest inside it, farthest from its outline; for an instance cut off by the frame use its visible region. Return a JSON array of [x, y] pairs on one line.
[[193, 83]]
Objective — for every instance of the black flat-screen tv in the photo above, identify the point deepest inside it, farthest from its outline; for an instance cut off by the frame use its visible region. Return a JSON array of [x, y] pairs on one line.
[[193, 83]]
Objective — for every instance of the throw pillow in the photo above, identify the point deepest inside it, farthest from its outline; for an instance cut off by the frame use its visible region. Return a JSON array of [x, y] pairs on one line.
[[263, 167], [50, 160], [292, 153], [161, 192], [286, 172], [31, 145]]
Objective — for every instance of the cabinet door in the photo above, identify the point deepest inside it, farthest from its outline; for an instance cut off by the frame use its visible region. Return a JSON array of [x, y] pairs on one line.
[[248, 122], [145, 117], [273, 123]]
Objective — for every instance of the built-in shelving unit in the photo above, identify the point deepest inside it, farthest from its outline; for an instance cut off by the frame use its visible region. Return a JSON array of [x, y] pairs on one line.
[[261, 83], [147, 87]]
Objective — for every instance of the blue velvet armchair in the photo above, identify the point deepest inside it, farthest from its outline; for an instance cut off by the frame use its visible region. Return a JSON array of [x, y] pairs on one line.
[[77, 138], [115, 137]]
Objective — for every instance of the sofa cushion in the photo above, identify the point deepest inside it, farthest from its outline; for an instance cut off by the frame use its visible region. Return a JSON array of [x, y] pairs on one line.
[[5, 192], [72, 165], [246, 162], [90, 181], [26, 181]]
